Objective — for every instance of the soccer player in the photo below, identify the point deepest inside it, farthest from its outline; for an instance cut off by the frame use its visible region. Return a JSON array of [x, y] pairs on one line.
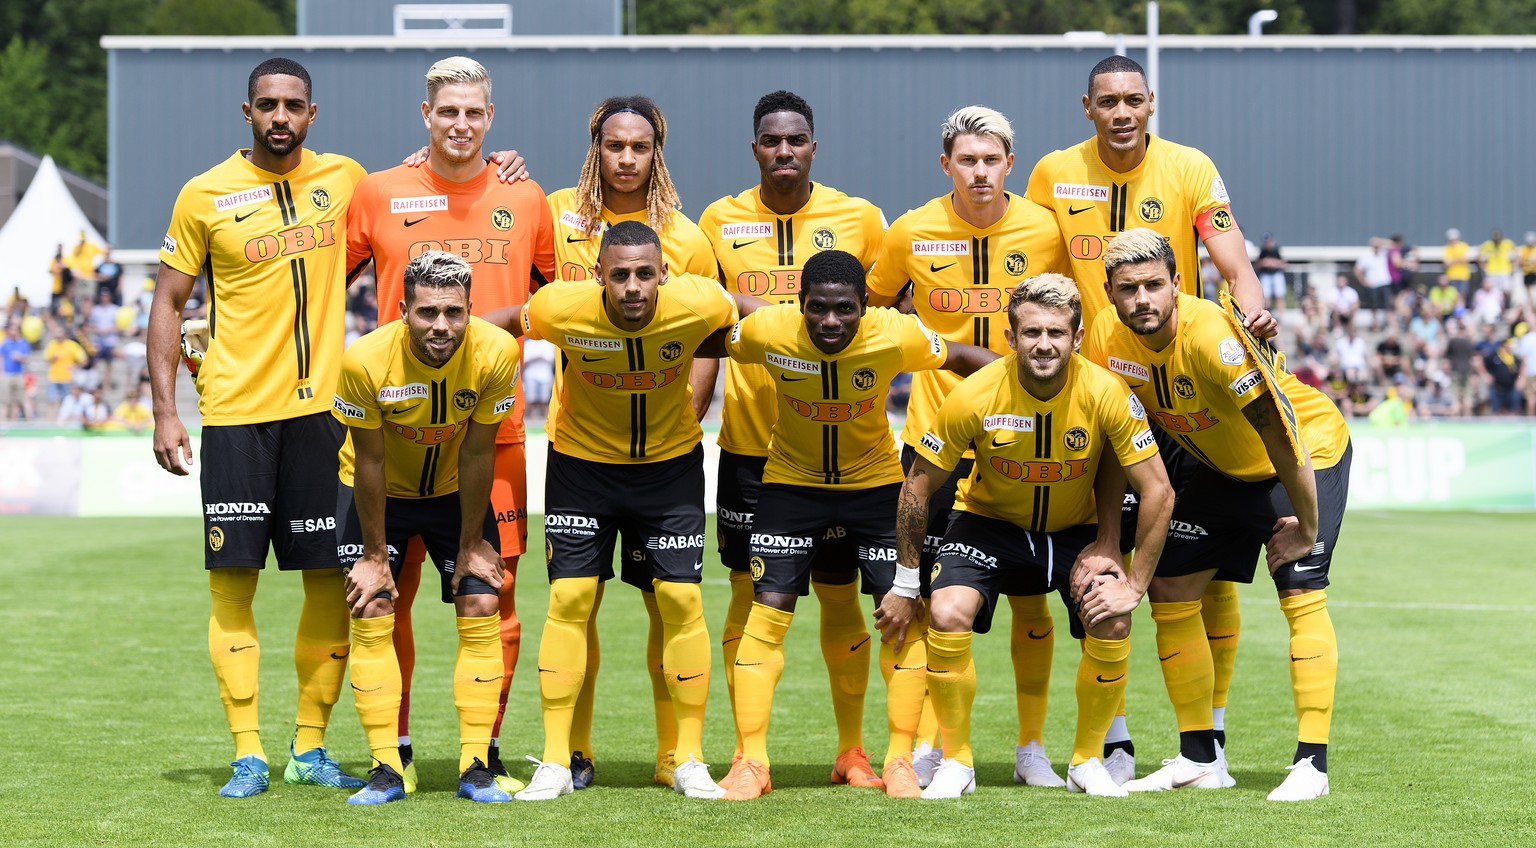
[[963, 253], [266, 228], [829, 490], [1125, 177], [504, 231], [1273, 470], [625, 456], [762, 238], [625, 178], [422, 398], [1034, 508]]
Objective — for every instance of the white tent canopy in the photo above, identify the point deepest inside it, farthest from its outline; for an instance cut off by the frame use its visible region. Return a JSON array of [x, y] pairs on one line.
[[46, 217]]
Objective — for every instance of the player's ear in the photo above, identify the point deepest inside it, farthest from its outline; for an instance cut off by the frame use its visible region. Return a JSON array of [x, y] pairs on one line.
[[245, 109], [426, 114], [1008, 336], [403, 311], [661, 278], [1151, 102], [1077, 338], [944, 164], [490, 113], [1087, 112], [1008, 165]]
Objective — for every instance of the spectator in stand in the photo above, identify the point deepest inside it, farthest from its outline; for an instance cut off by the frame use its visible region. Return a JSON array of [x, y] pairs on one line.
[[1374, 273], [72, 409], [357, 327], [64, 356], [1343, 304], [1496, 256], [1271, 270], [1525, 351], [1389, 359], [63, 281], [1394, 410], [102, 321], [14, 352], [1528, 268], [1403, 262], [1502, 368], [109, 277], [1425, 325], [1445, 297], [95, 414], [134, 412], [1488, 303], [1457, 260], [538, 376], [1436, 401], [1349, 349], [1461, 358]]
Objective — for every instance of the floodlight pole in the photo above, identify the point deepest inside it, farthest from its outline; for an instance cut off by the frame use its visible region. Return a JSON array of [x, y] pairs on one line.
[[1257, 20], [1152, 60]]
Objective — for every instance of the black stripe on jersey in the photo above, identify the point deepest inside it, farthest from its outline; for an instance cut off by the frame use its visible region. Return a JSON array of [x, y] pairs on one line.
[[277, 194], [629, 350], [437, 397], [1160, 386], [789, 242], [1117, 200], [1189, 444], [536, 278], [213, 302], [428, 484], [778, 230], [832, 472], [978, 266], [637, 415], [300, 332], [1043, 436], [293, 214], [829, 379], [1042, 509]]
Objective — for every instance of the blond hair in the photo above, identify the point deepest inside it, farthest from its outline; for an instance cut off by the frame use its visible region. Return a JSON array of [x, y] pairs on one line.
[[436, 269], [456, 70], [660, 196], [1138, 245], [976, 120], [1052, 291]]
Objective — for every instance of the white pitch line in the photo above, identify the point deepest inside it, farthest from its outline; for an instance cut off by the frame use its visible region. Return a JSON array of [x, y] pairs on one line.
[[1413, 605]]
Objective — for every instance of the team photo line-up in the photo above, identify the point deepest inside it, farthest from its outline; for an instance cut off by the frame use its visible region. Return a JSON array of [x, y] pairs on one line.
[[1083, 422]]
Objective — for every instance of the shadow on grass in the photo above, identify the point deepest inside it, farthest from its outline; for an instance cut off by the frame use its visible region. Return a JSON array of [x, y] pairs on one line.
[[214, 776]]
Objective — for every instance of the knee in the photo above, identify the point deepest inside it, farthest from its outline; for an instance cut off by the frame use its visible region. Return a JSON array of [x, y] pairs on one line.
[[950, 618], [477, 606], [781, 601], [378, 607], [1116, 628]]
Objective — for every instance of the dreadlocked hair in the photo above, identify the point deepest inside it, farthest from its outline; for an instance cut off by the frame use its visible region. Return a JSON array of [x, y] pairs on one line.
[[661, 195]]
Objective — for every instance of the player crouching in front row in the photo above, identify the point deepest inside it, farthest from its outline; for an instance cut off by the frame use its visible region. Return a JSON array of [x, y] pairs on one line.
[[1041, 422], [422, 398]]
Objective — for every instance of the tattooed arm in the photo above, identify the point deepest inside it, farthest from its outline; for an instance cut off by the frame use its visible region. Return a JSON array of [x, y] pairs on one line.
[[1294, 535], [901, 605]]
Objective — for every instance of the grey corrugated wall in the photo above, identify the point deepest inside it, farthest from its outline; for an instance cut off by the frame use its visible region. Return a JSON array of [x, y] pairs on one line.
[[529, 17], [1324, 147]]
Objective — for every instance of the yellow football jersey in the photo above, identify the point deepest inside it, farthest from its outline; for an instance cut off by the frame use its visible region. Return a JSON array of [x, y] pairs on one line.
[[1175, 191], [831, 431], [683, 245], [961, 278], [272, 251], [624, 395], [1036, 460], [1196, 389], [424, 411], [760, 253]]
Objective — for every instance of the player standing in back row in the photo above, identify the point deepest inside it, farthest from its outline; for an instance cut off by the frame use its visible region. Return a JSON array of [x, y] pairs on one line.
[[762, 238], [266, 229]]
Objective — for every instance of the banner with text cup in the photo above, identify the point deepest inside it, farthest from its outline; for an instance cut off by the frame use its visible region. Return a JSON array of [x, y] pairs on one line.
[[1436, 466]]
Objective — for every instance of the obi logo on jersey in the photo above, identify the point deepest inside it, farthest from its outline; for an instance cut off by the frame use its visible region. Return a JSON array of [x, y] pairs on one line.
[[300, 239], [969, 300], [632, 381], [431, 434], [830, 411], [780, 283], [1040, 471], [471, 250]]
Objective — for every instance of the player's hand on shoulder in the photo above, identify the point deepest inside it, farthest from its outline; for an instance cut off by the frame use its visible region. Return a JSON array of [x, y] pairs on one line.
[[417, 159], [510, 167], [1288, 544], [894, 615]]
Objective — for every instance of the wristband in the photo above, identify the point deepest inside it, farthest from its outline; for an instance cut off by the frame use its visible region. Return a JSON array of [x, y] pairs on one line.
[[906, 584]]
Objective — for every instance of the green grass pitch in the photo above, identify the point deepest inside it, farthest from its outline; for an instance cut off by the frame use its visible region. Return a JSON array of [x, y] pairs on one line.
[[111, 731]]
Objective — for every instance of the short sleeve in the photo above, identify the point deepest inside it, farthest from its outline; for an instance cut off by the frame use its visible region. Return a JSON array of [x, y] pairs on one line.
[[745, 343], [1039, 188], [1209, 203], [185, 246], [889, 275], [356, 403], [1125, 423], [921, 348], [534, 325], [951, 433], [498, 393], [359, 225], [874, 235]]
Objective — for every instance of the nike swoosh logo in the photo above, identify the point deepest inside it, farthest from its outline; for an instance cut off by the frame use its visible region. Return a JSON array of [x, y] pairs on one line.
[[404, 409], [487, 679], [1169, 657], [1180, 784], [681, 678], [724, 642], [342, 657], [1074, 210], [1101, 679], [234, 650], [860, 645], [908, 667], [239, 217], [586, 358], [417, 221], [1031, 633], [543, 670], [1295, 658], [997, 444], [1211, 638], [740, 664], [932, 670], [573, 239], [788, 379], [361, 689], [738, 245], [934, 269], [699, 566], [1307, 567]]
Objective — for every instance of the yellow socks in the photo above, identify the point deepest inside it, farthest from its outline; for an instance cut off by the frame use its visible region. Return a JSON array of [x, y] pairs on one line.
[[581, 717], [1185, 656], [320, 654], [661, 696], [1314, 663], [236, 653], [477, 674], [563, 660], [1034, 642], [906, 682], [1100, 691], [845, 641], [730, 637], [759, 664], [928, 725], [685, 663], [375, 674], [952, 687], [1223, 621]]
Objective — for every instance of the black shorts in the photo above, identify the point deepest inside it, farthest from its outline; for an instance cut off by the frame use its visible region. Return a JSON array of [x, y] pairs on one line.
[[801, 528], [657, 505], [739, 482], [1223, 524], [997, 557], [436, 520], [940, 505], [273, 485]]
